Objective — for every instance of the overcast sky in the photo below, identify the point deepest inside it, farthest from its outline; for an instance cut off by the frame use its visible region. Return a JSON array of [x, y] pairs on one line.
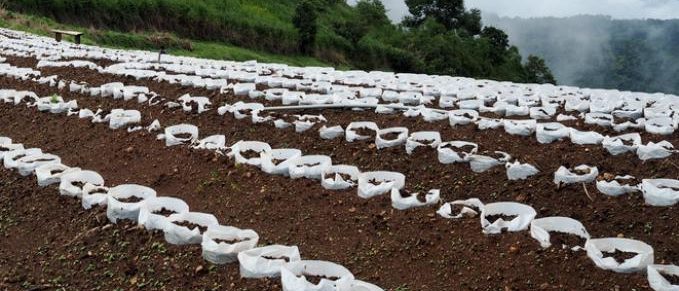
[[662, 9]]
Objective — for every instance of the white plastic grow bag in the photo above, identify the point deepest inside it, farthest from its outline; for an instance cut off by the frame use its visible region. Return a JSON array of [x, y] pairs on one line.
[[519, 171], [452, 152], [233, 241], [183, 235], [51, 173], [385, 182], [520, 127], [351, 134], [120, 118], [151, 220], [660, 125], [213, 142], [310, 167], [266, 262], [462, 117], [172, 132], [621, 144], [381, 142], [524, 215], [284, 156], [601, 119], [597, 247], [482, 163], [653, 150], [331, 132], [617, 186], [357, 285], [93, 195], [565, 176], [28, 164], [489, 123], [67, 180], [541, 227], [293, 276], [660, 192], [126, 210], [585, 137], [243, 146], [402, 203], [656, 278], [470, 208], [551, 132], [332, 177], [11, 158], [430, 139]]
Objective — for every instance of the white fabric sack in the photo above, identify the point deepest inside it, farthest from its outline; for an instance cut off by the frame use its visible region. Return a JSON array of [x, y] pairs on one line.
[[357, 285], [596, 247], [432, 115], [51, 173], [615, 187], [183, 235], [386, 180], [310, 166], [524, 215], [351, 134], [402, 135], [462, 117], [565, 176], [430, 139], [660, 125], [244, 146], [541, 227], [551, 132], [9, 147], [520, 127], [67, 188], [402, 203], [93, 195], [171, 133], [332, 179], [331, 132], [266, 262], [656, 279], [621, 144], [660, 192], [213, 142], [28, 164], [469, 208], [126, 210], [542, 113], [653, 150], [226, 252], [585, 137], [11, 158], [519, 171], [153, 221], [600, 119], [286, 156], [489, 123], [452, 152], [293, 276]]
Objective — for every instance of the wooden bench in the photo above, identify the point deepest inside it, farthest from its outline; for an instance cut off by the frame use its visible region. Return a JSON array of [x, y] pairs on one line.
[[58, 34]]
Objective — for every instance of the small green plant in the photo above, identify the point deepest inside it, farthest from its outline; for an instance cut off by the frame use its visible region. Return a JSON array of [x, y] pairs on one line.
[[54, 98]]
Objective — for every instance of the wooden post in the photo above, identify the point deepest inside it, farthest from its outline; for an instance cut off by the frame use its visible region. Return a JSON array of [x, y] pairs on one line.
[[77, 39], [57, 36]]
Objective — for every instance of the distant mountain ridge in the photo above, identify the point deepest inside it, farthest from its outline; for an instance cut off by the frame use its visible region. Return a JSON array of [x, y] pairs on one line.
[[601, 52]]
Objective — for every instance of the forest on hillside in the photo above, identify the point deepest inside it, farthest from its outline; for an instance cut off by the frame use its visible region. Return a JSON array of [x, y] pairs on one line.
[[441, 36], [601, 52]]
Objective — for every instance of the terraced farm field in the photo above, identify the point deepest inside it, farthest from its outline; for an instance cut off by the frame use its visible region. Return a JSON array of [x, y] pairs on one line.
[[126, 170]]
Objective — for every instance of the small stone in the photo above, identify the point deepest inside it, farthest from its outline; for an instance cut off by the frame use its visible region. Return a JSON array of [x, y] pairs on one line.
[[129, 149], [352, 209], [199, 269]]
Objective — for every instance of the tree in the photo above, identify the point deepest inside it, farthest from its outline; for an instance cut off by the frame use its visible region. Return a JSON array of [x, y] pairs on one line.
[[538, 72], [450, 13], [499, 42], [306, 25], [372, 13]]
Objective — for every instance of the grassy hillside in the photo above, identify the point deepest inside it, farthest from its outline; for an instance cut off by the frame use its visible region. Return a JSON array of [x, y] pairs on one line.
[[346, 36]]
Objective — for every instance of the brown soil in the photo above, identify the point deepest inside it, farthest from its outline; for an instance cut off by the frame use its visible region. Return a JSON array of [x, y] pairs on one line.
[[560, 238], [284, 258], [230, 241], [493, 218], [317, 279], [191, 225], [131, 199], [673, 279], [410, 249], [249, 154], [620, 256], [164, 212], [389, 136], [364, 131]]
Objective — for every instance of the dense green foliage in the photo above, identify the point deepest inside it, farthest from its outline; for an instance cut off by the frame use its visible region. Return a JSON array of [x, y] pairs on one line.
[[600, 52], [442, 37]]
